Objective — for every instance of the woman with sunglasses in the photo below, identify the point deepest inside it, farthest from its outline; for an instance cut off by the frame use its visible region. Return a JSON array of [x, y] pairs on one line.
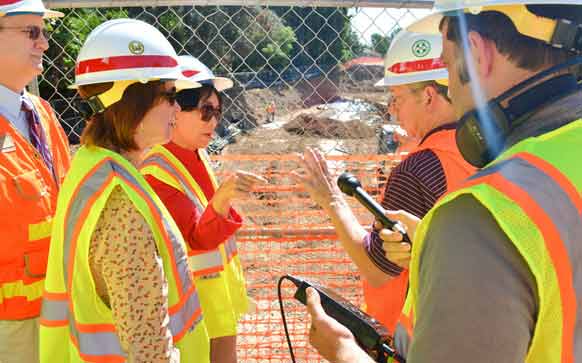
[[118, 286], [180, 173]]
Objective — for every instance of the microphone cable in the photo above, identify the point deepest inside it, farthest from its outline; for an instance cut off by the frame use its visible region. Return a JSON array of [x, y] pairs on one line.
[[297, 283]]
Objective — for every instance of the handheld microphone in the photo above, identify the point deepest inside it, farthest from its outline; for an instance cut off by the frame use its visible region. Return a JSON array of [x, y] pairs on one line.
[[351, 186]]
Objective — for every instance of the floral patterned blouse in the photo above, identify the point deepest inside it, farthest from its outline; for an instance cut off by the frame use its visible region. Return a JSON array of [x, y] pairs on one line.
[[129, 278]]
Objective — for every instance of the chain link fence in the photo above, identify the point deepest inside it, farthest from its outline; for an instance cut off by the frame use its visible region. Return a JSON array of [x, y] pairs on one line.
[[304, 75], [304, 70]]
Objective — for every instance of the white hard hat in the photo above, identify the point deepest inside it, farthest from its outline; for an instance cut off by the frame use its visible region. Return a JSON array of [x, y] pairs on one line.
[[412, 58], [23, 7], [195, 71], [526, 22], [126, 51]]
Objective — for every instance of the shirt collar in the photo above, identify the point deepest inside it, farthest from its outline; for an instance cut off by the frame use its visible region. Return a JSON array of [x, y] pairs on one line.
[[551, 117], [10, 102], [181, 152], [449, 126]]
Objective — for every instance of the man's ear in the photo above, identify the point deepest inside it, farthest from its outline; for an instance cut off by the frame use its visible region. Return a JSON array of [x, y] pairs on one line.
[[482, 54], [429, 95]]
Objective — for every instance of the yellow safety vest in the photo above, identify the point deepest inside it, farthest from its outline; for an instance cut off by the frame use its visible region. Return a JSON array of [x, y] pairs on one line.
[[76, 326], [533, 192], [217, 276]]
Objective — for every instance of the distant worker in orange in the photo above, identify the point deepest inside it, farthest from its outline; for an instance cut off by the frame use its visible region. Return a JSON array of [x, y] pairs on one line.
[[34, 156], [181, 175], [270, 109], [419, 102]]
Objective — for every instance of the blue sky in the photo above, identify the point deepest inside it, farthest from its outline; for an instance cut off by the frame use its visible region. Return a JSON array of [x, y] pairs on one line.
[[368, 21]]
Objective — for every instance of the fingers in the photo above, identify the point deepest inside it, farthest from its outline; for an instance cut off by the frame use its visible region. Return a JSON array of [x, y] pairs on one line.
[[250, 177], [377, 225], [396, 250], [321, 162], [314, 307], [315, 162], [409, 220], [389, 236], [399, 253]]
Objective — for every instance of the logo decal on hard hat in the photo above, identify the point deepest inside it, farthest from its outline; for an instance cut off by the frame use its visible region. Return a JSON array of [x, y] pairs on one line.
[[420, 48], [136, 47], [190, 73]]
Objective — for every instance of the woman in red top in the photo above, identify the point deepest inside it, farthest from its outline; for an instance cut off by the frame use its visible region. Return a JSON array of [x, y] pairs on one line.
[[180, 173]]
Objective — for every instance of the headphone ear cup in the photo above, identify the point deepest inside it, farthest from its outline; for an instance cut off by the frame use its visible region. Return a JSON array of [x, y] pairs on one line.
[[480, 140], [84, 109]]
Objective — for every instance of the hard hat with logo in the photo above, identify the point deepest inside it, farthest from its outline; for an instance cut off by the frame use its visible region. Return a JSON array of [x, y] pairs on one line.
[[196, 71], [24, 7], [126, 51], [560, 30], [414, 57]]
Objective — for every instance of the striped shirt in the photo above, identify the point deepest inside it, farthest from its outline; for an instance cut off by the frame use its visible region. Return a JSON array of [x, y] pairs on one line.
[[413, 186]]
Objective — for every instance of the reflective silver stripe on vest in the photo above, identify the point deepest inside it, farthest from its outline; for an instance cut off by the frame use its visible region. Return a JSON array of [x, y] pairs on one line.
[[205, 261], [230, 248], [77, 206], [563, 213], [53, 310], [88, 189], [162, 163], [96, 344], [402, 340], [200, 262], [180, 321]]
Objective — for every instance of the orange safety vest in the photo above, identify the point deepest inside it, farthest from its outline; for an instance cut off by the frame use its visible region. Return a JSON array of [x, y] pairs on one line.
[[28, 199], [385, 303]]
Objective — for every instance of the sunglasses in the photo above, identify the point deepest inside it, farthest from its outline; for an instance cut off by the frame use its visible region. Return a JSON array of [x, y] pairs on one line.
[[34, 31], [170, 96], [207, 112]]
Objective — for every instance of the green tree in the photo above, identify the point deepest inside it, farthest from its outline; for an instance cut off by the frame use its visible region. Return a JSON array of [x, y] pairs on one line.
[[353, 47], [318, 32], [381, 43], [67, 36]]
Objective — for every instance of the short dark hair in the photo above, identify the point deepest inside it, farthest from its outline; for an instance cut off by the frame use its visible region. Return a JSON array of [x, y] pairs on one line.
[[190, 99], [525, 52], [115, 127]]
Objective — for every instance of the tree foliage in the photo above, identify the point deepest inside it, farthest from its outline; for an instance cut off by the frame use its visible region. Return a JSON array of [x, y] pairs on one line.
[[227, 38], [381, 43]]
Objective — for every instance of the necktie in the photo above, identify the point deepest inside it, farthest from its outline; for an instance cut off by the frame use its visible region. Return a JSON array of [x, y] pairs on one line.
[[37, 135]]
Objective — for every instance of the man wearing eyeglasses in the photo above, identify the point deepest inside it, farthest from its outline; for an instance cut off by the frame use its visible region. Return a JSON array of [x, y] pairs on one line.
[[34, 156]]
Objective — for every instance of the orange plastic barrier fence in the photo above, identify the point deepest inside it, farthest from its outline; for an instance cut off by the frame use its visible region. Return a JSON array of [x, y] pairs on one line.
[[286, 233]]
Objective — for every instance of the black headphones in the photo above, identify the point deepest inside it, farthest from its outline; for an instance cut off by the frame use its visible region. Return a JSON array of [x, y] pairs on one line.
[[482, 132]]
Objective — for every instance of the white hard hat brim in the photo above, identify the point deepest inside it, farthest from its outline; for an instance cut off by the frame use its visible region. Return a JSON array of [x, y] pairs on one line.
[[181, 84], [430, 23], [397, 80], [51, 14], [46, 14], [222, 83], [219, 83]]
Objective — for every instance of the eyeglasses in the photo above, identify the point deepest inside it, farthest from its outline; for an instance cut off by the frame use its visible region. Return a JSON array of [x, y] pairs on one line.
[[208, 111], [34, 31], [170, 96]]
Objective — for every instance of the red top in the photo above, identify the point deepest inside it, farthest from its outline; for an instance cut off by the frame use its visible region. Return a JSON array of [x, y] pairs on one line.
[[201, 231]]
